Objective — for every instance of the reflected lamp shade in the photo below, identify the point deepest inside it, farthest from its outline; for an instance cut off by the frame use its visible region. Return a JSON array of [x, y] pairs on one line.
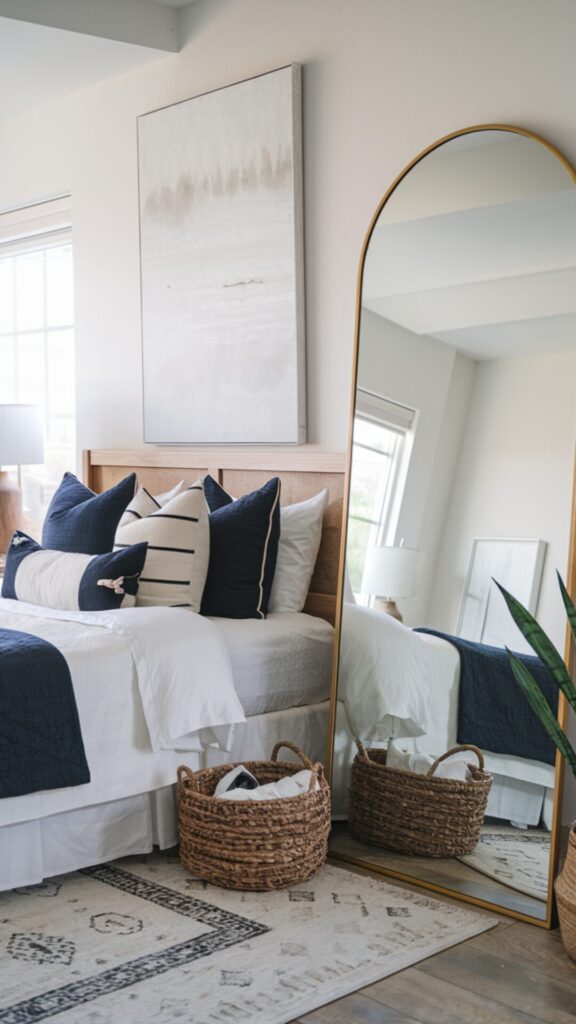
[[390, 572], [21, 436]]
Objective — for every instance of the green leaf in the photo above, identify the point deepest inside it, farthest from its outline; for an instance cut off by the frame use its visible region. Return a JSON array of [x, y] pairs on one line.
[[569, 605], [541, 707], [541, 645]]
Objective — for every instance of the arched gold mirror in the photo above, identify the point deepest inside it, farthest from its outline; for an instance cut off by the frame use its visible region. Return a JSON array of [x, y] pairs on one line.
[[461, 470]]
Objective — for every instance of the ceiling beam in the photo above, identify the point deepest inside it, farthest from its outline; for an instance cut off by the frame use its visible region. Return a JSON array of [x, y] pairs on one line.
[[127, 21]]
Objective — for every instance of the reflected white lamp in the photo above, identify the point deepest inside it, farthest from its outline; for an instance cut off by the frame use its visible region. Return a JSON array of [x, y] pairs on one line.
[[21, 444], [390, 573]]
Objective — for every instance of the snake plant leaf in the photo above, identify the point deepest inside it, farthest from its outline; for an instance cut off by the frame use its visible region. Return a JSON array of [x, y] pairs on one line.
[[541, 707], [569, 605], [541, 645]]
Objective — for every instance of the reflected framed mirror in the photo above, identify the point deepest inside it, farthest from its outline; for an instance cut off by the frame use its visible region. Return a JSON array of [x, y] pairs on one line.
[[460, 472]]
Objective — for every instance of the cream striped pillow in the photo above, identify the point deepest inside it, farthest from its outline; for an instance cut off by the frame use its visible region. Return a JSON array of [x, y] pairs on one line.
[[178, 537]]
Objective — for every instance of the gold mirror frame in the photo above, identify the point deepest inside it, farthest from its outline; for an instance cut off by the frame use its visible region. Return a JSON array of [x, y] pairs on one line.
[[550, 920]]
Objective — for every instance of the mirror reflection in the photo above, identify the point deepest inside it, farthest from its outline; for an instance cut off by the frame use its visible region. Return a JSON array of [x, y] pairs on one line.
[[462, 467]]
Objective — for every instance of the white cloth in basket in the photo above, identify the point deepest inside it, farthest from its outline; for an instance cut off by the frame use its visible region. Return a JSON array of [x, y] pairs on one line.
[[291, 785], [456, 767]]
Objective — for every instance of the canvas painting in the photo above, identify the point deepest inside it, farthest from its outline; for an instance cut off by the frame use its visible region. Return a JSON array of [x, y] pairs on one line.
[[220, 179]]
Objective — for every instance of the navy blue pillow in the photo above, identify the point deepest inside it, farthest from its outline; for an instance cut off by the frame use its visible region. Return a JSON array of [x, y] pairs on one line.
[[80, 521], [72, 581], [244, 537]]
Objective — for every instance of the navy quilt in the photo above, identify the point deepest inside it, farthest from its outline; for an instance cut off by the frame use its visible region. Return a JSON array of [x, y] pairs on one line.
[[41, 744], [493, 713]]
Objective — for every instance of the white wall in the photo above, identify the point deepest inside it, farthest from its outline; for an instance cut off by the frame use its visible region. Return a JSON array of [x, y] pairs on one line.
[[514, 477], [436, 380], [382, 79]]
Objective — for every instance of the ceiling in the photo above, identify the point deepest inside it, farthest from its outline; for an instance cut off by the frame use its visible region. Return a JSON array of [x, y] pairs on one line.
[[39, 64], [477, 248], [49, 48]]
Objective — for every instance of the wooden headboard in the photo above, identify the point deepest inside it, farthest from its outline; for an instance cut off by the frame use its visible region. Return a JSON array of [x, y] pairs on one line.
[[303, 472]]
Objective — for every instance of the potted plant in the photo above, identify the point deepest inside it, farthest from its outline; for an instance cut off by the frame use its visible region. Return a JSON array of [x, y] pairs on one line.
[[541, 644]]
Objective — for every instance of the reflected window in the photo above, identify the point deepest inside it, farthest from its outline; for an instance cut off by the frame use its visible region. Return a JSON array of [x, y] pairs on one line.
[[382, 442]]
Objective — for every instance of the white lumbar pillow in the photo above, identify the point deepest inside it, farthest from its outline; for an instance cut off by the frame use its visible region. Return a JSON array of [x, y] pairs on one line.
[[290, 785], [300, 535], [178, 537]]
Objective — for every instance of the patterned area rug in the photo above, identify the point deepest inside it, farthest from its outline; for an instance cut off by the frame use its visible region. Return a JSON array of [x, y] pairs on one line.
[[518, 858], [142, 941]]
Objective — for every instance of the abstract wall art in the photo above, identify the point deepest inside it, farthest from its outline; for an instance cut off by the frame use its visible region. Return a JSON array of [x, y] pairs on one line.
[[221, 243]]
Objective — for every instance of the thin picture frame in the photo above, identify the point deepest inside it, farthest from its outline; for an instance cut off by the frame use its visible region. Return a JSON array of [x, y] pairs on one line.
[[518, 564]]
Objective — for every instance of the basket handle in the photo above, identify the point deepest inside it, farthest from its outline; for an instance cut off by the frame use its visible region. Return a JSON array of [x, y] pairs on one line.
[[363, 752], [185, 774], [315, 775], [295, 750], [456, 750]]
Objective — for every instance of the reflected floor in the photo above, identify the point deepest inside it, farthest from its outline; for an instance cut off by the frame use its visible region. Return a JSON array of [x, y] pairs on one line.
[[465, 877]]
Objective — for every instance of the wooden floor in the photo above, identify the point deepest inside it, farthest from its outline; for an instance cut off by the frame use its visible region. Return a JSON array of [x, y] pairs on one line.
[[516, 972]]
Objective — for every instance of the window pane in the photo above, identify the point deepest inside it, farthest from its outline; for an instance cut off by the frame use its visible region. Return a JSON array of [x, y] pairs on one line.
[[374, 435], [360, 536], [59, 290], [60, 355], [61, 432], [30, 368], [376, 453], [370, 473], [41, 366], [6, 296], [7, 370], [29, 291]]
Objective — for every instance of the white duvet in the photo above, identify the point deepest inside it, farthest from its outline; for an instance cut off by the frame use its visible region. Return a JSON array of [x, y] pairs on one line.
[[149, 684], [384, 677]]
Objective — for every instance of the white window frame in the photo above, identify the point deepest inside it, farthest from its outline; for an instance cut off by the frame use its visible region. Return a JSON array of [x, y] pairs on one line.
[[401, 419]]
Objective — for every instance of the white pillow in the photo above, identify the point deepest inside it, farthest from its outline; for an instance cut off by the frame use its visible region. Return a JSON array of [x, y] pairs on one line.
[[167, 496], [178, 537], [300, 535]]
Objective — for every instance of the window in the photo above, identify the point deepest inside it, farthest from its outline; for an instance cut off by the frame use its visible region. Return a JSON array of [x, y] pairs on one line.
[[380, 451], [37, 340]]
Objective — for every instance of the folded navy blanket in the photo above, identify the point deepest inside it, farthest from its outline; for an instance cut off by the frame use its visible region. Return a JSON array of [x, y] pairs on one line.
[[493, 713], [41, 744]]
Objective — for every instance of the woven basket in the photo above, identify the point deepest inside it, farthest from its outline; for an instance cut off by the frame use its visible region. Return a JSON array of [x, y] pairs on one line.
[[565, 887], [413, 813], [250, 845]]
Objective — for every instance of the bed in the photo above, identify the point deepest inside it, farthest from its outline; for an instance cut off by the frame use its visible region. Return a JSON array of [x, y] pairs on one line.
[[135, 732], [397, 684]]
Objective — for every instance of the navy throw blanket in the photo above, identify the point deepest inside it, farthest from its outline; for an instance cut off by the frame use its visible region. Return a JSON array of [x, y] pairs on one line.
[[41, 744], [493, 712]]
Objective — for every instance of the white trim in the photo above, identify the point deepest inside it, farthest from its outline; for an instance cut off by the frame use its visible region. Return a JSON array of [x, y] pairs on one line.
[[265, 553], [32, 203], [371, 406], [35, 225]]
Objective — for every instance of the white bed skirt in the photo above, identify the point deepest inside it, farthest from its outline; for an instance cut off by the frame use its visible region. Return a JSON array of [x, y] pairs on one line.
[[32, 851]]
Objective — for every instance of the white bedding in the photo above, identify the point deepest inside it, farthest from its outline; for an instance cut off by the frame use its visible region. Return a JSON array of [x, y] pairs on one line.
[[170, 681], [395, 683], [33, 850], [161, 677], [280, 662], [384, 676]]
